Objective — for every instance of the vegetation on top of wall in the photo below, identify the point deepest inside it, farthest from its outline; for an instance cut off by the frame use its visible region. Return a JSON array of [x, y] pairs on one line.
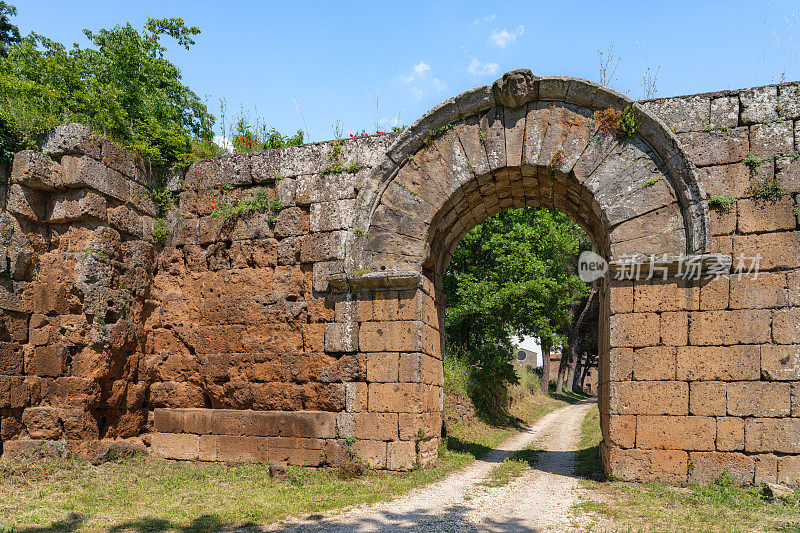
[[122, 88], [254, 137]]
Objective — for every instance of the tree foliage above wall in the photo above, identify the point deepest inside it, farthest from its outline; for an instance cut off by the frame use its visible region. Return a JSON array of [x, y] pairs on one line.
[[122, 88]]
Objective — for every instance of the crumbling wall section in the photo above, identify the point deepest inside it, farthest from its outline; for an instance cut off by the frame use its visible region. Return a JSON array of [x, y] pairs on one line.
[[77, 272]]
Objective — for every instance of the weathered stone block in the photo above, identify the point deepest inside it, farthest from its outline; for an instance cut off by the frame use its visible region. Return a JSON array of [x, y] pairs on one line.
[[175, 446], [759, 216], [708, 466], [730, 434], [649, 397], [775, 250], [780, 362], [341, 337], [759, 104], [657, 295], [669, 466], [619, 430], [675, 328], [654, 363], [396, 336], [729, 327], [718, 363], [415, 426], [766, 468], [707, 398], [688, 113], [26, 203], [372, 452], [675, 432], [382, 367], [323, 246], [620, 364], [396, 397], [375, 426], [758, 398], [786, 326], [11, 359], [634, 330], [768, 290], [716, 147], [46, 360], [400, 455], [724, 112], [290, 222], [772, 435], [789, 470]]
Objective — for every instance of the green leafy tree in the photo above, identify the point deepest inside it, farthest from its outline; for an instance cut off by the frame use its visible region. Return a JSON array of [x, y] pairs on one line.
[[123, 88], [9, 33], [511, 275]]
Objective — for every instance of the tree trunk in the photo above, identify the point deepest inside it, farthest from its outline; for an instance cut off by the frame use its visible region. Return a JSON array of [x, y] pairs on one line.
[[576, 375], [573, 338], [562, 371], [466, 326], [585, 371], [545, 368]]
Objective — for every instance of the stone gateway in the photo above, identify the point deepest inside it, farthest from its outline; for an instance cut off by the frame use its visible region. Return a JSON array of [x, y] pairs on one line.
[[311, 330]]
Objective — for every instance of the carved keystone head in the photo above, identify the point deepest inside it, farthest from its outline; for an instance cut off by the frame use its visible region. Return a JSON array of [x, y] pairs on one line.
[[515, 88]]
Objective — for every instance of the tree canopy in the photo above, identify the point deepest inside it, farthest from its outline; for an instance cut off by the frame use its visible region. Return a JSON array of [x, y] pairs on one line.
[[511, 275], [122, 87]]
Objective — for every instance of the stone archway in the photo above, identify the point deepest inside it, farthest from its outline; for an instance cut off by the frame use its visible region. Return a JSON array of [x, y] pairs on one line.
[[526, 141]]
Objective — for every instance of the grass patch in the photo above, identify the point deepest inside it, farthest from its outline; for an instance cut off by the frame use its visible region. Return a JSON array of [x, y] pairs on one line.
[[719, 506], [158, 495], [588, 465], [512, 467]]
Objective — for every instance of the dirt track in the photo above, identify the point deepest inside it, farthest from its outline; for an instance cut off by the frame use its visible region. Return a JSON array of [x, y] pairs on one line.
[[539, 500]]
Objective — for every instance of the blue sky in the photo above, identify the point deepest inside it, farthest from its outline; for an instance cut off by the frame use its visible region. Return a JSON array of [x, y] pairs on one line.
[[331, 61]]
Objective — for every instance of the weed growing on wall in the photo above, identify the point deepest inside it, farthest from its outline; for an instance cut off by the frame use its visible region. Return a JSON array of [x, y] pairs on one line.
[[723, 203], [770, 188], [229, 210], [160, 232], [163, 198], [624, 124], [336, 161]]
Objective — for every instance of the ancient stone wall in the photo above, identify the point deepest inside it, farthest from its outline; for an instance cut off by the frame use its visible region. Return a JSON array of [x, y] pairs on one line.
[[704, 376], [311, 331], [77, 273]]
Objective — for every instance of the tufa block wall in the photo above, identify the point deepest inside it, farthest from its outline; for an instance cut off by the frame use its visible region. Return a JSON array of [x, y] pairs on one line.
[[247, 340]]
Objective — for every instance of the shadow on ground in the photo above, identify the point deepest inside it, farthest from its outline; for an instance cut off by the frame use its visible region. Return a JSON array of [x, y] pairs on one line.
[[452, 519]]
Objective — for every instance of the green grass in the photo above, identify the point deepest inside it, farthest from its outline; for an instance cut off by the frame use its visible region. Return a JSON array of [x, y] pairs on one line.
[[719, 506], [512, 467], [158, 495]]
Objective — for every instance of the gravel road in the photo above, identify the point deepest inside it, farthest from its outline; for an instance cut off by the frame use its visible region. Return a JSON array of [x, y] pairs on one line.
[[539, 500]]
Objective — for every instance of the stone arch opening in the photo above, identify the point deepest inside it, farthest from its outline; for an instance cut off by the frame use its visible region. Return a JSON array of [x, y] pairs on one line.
[[525, 141]]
